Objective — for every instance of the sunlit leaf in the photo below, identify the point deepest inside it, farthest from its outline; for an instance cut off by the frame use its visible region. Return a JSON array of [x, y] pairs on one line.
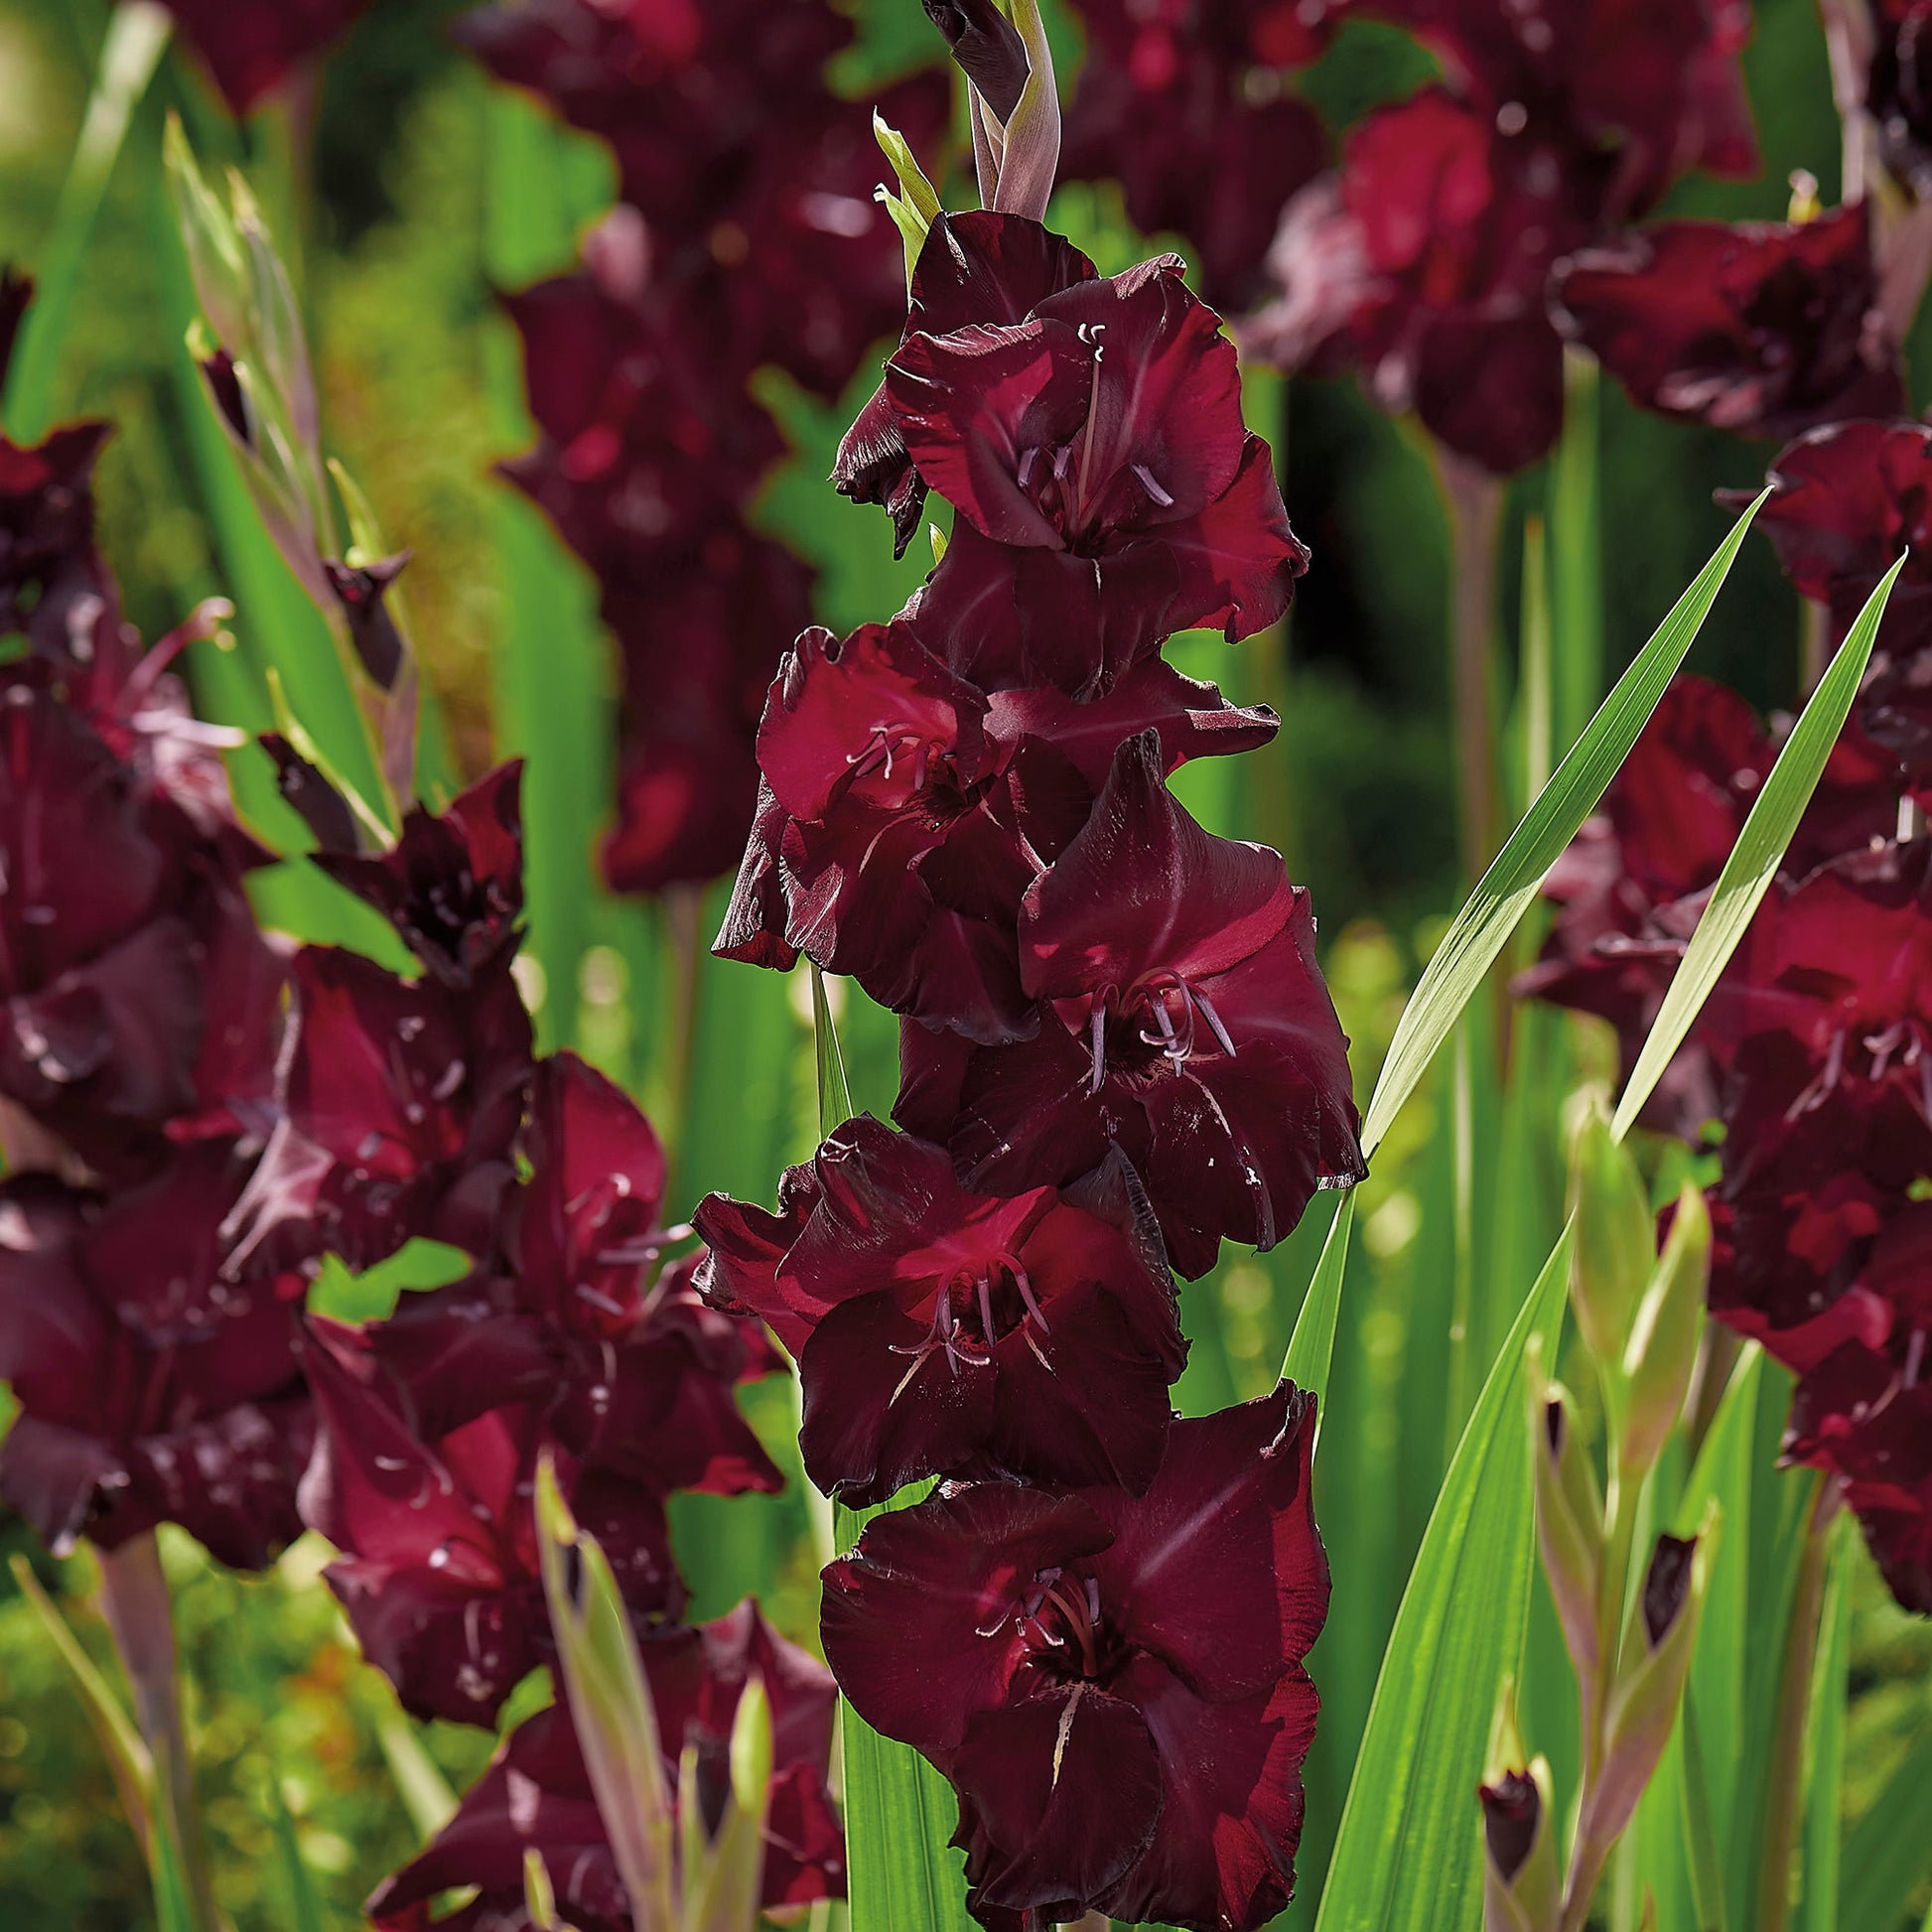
[[1755, 858], [1408, 1857], [1489, 916]]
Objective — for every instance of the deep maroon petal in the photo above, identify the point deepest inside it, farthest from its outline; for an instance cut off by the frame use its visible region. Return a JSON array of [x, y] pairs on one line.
[[880, 1410], [453, 887], [920, 1621], [1143, 890], [1231, 1503], [1059, 1795], [1232, 1801]]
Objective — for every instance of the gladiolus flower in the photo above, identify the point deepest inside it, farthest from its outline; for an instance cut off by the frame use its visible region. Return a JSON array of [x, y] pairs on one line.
[[1108, 492], [439, 1569], [1121, 1739], [943, 1332], [1189, 1026], [453, 887], [152, 1389], [1767, 329]]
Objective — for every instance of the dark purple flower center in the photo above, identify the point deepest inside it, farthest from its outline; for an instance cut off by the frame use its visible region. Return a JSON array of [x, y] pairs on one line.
[[1897, 1051], [1161, 1019], [1062, 484], [1067, 1636], [973, 1312], [902, 762]]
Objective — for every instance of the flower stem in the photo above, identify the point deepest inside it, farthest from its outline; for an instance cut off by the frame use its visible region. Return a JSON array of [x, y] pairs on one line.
[[134, 1600], [1476, 507], [1784, 1799]]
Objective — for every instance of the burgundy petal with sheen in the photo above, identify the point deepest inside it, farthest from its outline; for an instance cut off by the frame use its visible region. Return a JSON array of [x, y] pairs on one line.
[[1769, 330], [944, 1333]]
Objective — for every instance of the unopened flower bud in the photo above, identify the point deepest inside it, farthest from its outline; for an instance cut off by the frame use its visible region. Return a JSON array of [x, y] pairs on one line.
[[988, 48], [1615, 1245], [1651, 1668], [1661, 1355], [1569, 1522], [371, 629], [1521, 1889]]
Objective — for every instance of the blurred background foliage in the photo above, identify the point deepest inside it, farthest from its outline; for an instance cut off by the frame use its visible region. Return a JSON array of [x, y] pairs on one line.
[[391, 203]]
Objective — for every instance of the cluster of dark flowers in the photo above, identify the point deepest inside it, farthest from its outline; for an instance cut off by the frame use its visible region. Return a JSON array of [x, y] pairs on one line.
[[1425, 258], [1810, 1067], [1116, 1051], [746, 236], [194, 1115]]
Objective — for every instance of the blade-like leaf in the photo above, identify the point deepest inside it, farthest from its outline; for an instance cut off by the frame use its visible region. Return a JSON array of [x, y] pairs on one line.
[[834, 1090], [1489, 916], [1699, 1836], [1409, 1855], [420, 1784], [1311, 1347], [1757, 856], [137, 36], [902, 1874], [1824, 1779], [1888, 1851]]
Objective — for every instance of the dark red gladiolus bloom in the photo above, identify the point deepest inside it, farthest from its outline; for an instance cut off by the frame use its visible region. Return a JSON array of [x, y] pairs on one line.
[[1182, 104], [699, 650], [1898, 90], [1425, 266], [1189, 1026], [137, 988], [1765, 329], [151, 1389], [251, 46], [632, 1374], [910, 811], [537, 1793], [1123, 1734], [1108, 492], [1846, 499], [453, 887], [439, 1568], [755, 177], [402, 1099], [1633, 93], [975, 269], [942, 1332]]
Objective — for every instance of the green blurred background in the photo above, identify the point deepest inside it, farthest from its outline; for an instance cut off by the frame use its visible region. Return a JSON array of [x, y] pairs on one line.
[[421, 189]]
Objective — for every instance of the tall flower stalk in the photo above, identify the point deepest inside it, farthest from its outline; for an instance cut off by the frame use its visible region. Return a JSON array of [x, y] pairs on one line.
[[1116, 1051]]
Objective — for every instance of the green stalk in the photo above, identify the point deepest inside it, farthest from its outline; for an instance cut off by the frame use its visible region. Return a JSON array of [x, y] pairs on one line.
[[1476, 508], [134, 1598], [1784, 1804]]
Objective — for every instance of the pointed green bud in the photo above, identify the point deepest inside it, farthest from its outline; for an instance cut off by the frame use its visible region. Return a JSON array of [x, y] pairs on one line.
[[540, 1896], [1522, 1890], [939, 544], [1661, 1354], [1569, 1519], [1615, 1245], [750, 1748], [1652, 1665]]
